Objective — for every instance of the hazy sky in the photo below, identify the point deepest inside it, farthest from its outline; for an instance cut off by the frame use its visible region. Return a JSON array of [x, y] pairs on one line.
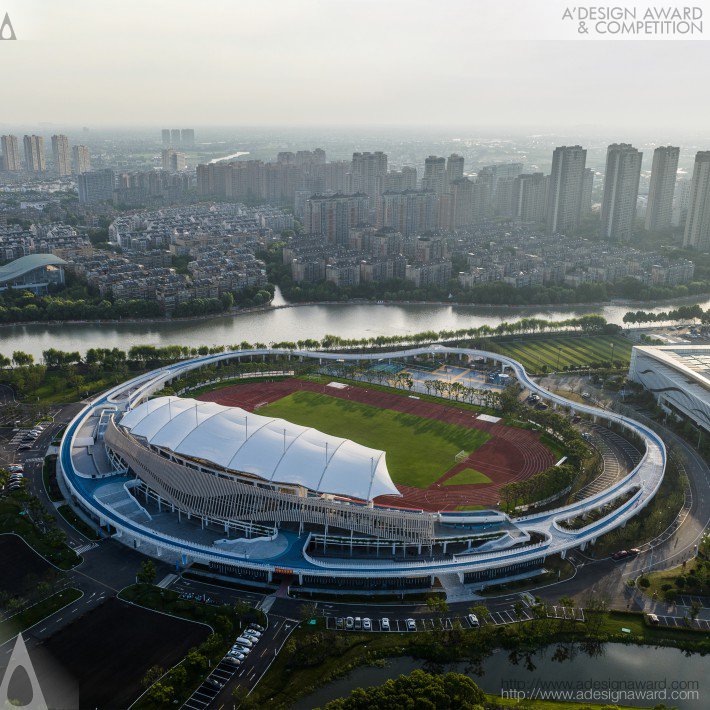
[[339, 62]]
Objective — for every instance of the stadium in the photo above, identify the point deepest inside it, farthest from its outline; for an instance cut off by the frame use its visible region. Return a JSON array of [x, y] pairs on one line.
[[335, 481]]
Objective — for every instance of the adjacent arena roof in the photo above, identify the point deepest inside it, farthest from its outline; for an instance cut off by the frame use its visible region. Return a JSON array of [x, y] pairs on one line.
[[273, 449], [26, 264]]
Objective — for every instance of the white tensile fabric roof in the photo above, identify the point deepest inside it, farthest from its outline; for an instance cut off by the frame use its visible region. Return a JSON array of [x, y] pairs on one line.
[[273, 449]]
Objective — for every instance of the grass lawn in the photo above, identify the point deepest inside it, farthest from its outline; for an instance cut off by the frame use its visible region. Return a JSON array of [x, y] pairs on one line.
[[77, 523], [469, 476], [34, 614], [548, 353], [418, 450], [15, 519]]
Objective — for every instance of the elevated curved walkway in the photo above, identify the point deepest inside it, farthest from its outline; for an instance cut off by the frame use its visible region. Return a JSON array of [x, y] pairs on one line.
[[646, 477]]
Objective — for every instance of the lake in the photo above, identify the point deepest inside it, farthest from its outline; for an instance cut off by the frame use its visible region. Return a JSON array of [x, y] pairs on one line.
[[617, 664]]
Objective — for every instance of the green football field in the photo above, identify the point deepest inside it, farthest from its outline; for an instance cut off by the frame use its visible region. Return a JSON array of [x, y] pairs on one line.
[[419, 451], [551, 353], [469, 476]]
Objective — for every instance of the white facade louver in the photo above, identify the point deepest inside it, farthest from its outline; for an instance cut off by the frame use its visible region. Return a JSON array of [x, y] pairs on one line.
[[272, 449]]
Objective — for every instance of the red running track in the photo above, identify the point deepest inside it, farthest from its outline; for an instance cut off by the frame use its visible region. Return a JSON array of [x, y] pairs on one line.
[[511, 454]]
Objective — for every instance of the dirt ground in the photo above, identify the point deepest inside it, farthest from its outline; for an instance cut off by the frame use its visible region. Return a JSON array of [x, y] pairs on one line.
[[109, 650], [21, 566]]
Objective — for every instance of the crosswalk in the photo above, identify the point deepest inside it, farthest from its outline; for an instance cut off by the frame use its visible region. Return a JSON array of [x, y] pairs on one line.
[[85, 548]]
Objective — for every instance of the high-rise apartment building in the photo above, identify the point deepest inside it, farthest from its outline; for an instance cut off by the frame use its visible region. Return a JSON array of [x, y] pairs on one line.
[[337, 176], [187, 137], [175, 140], [173, 160], [96, 186], [587, 191], [621, 191], [462, 202], [11, 153], [434, 175], [697, 223], [454, 168], [333, 216], [82, 159], [529, 198], [34, 154], [565, 189], [409, 212], [165, 135], [664, 170], [401, 180], [369, 172], [62, 155]]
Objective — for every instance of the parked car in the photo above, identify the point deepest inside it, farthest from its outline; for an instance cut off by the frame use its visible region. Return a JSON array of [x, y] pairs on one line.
[[620, 554], [473, 620], [586, 395], [238, 653], [385, 624], [652, 619], [232, 660], [16, 468], [358, 622], [257, 627], [366, 624], [214, 683], [340, 623], [411, 625], [244, 641], [349, 622]]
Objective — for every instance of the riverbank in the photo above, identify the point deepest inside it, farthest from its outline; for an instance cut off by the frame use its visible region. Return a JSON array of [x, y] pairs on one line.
[[613, 303], [283, 322]]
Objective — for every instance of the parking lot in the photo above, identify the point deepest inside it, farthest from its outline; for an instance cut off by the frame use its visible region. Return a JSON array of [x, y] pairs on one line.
[[688, 600], [683, 622], [211, 686], [401, 624]]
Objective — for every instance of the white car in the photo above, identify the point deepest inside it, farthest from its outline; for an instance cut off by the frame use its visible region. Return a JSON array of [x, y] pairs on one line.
[[244, 641], [366, 624], [473, 620], [411, 625], [385, 624]]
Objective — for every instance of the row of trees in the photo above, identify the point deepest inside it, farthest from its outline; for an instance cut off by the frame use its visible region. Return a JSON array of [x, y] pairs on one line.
[[686, 314], [151, 353], [541, 486], [77, 304]]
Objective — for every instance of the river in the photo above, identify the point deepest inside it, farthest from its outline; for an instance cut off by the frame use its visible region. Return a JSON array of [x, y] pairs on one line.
[[293, 323], [618, 663]]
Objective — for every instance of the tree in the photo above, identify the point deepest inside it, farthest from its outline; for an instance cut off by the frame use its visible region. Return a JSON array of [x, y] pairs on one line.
[[437, 603], [162, 695], [152, 675], [146, 572], [418, 689]]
